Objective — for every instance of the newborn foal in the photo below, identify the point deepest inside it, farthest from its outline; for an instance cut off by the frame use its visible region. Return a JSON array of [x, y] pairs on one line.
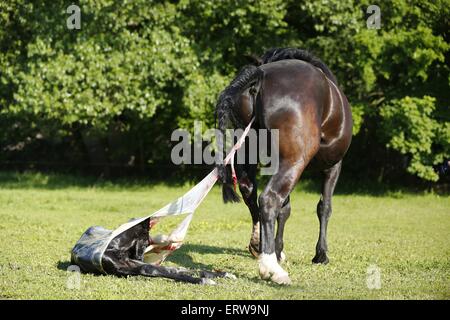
[[124, 256]]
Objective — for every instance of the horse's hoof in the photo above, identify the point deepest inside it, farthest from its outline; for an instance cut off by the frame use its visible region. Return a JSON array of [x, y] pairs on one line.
[[264, 273], [207, 281], [270, 269], [282, 278], [320, 257]]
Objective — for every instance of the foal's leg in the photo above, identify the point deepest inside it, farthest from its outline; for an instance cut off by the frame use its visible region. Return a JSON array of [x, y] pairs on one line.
[[270, 204], [248, 188], [284, 214], [203, 273], [134, 267], [324, 211]]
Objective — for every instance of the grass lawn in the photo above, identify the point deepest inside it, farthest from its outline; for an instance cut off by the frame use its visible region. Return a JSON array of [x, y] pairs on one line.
[[406, 236]]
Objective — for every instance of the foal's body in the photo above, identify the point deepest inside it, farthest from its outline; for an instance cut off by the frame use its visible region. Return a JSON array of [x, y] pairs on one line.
[[124, 256], [314, 121]]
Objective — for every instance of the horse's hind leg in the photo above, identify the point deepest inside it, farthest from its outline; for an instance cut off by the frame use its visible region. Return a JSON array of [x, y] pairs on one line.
[[284, 214], [324, 211]]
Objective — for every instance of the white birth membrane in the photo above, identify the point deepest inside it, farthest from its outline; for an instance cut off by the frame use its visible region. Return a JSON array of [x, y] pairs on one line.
[[163, 246]]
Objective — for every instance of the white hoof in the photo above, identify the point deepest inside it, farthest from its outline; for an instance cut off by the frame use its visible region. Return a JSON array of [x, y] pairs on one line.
[[281, 279], [270, 269]]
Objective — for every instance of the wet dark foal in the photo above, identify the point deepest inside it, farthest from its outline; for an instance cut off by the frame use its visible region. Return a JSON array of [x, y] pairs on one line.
[[124, 256], [290, 90]]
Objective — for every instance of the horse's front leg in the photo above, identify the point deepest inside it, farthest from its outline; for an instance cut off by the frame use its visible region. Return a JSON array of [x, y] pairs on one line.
[[270, 205]]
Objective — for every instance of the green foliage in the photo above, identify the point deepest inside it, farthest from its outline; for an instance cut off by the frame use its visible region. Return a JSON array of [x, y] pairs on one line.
[[103, 70], [411, 130], [148, 67]]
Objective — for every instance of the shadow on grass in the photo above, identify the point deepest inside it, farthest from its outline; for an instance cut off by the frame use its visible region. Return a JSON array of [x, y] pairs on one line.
[[312, 183], [57, 181], [308, 183], [63, 265], [183, 258]]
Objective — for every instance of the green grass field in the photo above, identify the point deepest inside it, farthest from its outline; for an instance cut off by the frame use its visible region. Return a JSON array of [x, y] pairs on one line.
[[406, 236]]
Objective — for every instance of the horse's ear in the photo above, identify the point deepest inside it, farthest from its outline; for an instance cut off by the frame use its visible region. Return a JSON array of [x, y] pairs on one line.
[[253, 59]]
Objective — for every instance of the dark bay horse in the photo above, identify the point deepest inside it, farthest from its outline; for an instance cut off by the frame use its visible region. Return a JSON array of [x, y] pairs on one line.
[[290, 90]]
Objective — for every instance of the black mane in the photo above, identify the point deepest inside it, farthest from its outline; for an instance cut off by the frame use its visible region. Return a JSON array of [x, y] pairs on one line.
[[228, 97], [277, 54]]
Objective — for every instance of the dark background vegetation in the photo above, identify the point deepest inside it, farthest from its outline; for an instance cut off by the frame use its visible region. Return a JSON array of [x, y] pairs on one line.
[[104, 99]]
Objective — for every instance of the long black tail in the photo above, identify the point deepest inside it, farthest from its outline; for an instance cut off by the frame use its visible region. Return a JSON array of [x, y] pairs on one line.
[[249, 76]]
